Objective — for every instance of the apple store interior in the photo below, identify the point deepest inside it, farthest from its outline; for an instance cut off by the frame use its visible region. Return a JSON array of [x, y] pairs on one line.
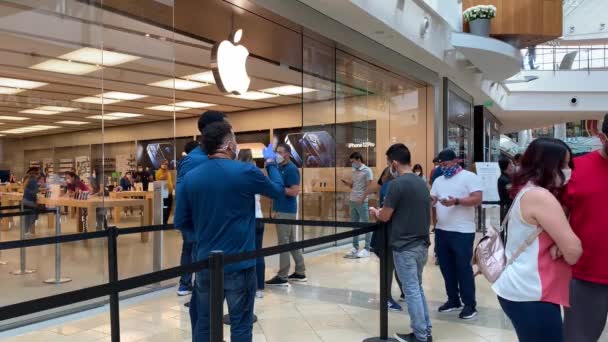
[[102, 87]]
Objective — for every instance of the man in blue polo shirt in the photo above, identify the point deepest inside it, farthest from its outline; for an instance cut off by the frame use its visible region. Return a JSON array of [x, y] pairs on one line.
[[286, 207], [218, 207], [194, 158]]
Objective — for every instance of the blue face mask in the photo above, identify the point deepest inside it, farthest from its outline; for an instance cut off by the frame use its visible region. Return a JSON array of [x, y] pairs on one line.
[[356, 166], [449, 172]]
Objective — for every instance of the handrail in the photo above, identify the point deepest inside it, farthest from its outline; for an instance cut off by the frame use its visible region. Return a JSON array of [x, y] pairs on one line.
[[565, 58], [114, 286]]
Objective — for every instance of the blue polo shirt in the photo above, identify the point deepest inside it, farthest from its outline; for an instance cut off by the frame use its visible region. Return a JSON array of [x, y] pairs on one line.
[[218, 207], [291, 176], [195, 158]]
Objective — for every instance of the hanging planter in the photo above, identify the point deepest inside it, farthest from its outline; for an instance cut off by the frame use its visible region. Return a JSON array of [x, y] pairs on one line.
[[479, 18]]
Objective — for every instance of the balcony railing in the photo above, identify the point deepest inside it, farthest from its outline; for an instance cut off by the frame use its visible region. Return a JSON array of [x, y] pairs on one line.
[[553, 58]]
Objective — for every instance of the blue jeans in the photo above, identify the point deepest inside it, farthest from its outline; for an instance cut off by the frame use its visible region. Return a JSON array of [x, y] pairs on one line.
[[409, 265], [360, 213], [260, 266], [455, 252], [186, 258], [239, 292], [534, 321]]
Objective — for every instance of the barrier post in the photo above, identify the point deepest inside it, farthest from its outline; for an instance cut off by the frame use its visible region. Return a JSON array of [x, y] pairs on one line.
[[57, 279], [384, 247], [22, 257], [113, 279], [216, 296]]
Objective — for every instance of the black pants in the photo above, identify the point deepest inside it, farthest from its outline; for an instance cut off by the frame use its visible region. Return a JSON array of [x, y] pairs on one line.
[[586, 318], [535, 321], [167, 204], [455, 251]]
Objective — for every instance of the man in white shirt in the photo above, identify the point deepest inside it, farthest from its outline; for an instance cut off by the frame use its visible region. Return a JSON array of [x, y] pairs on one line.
[[455, 195]]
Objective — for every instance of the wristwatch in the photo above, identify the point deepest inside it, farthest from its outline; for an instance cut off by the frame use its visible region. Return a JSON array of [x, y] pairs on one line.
[[457, 201]]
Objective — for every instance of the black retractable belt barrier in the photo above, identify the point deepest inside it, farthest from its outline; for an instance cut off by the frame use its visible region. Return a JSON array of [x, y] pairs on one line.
[[10, 207]]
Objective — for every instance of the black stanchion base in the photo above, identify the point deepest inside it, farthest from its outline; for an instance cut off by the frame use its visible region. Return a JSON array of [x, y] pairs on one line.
[[378, 339], [226, 319]]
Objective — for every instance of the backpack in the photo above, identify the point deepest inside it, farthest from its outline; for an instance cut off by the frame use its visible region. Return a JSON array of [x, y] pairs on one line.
[[490, 256]]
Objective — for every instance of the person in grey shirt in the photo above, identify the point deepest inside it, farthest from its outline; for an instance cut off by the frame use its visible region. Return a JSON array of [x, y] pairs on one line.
[[359, 207], [407, 209]]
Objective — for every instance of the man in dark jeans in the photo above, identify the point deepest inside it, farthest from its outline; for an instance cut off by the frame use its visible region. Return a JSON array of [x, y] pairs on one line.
[[195, 157], [504, 185], [227, 225], [455, 195], [585, 198]]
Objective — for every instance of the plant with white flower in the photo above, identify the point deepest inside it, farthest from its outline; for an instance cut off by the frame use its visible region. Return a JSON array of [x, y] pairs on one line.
[[479, 12]]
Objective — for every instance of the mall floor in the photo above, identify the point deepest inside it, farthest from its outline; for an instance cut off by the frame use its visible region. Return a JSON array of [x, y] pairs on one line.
[[339, 303]]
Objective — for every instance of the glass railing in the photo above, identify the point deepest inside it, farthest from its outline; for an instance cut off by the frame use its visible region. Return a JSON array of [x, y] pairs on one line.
[[553, 58]]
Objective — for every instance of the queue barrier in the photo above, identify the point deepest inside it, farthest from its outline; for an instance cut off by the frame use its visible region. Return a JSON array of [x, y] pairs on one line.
[[215, 264]]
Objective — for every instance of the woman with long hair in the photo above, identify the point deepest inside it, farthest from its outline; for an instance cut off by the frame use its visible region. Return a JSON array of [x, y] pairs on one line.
[[535, 283], [246, 156], [419, 171]]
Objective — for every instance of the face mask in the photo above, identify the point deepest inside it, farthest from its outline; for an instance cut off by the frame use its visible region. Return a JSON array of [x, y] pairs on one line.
[[393, 171], [356, 166], [279, 159], [567, 175], [236, 152]]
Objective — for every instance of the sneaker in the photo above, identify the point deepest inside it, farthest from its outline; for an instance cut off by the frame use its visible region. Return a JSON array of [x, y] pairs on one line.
[[184, 290], [259, 294], [449, 307], [364, 253], [299, 278], [429, 338], [277, 281], [352, 254], [187, 304], [402, 298], [468, 312], [394, 306], [407, 338]]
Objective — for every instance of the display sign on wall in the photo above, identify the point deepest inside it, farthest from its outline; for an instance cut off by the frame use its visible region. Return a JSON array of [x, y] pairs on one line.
[[330, 145], [151, 153]]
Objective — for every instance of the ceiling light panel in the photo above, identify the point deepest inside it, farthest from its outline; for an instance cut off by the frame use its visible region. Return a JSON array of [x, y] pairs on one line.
[[103, 117], [167, 108], [66, 67], [179, 84], [96, 100], [117, 95], [69, 122], [99, 57], [38, 112], [12, 118], [206, 77], [10, 91], [288, 90], [253, 95], [20, 84], [48, 110], [29, 129], [123, 115], [193, 104]]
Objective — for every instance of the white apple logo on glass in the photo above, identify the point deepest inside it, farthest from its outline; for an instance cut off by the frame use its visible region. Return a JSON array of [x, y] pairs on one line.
[[229, 65]]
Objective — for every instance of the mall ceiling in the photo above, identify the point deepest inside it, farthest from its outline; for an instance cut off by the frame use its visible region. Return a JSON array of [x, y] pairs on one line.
[[62, 67]]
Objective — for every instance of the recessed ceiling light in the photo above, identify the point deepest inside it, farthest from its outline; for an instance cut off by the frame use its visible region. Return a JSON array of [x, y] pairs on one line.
[[99, 57], [66, 67], [117, 95], [69, 122], [103, 117], [193, 104], [123, 115], [167, 108], [10, 91], [96, 100], [20, 84], [206, 77], [12, 118], [178, 84], [253, 95], [29, 129], [38, 112], [289, 90]]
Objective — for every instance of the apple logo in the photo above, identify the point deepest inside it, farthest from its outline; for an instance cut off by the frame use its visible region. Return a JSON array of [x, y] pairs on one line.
[[229, 65]]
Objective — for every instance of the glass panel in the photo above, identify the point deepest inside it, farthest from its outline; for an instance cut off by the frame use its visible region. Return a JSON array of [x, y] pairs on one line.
[[460, 118]]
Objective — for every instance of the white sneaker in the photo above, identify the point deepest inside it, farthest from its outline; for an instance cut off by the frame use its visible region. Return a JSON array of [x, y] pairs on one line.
[[352, 254], [364, 253], [259, 294]]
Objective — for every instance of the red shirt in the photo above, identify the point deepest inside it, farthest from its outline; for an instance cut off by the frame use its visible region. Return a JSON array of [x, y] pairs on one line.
[[585, 197]]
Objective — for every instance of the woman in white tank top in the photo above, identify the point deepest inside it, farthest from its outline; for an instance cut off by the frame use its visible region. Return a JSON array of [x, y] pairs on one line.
[[532, 288]]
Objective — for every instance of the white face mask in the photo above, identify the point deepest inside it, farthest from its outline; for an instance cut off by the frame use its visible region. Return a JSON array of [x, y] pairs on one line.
[[279, 159], [567, 175], [394, 172]]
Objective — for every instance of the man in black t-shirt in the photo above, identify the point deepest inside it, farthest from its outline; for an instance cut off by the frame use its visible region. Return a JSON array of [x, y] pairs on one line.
[[142, 176], [504, 185], [407, 209]]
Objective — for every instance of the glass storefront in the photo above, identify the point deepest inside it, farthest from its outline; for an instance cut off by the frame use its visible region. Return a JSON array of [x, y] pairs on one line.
[[101, 87]]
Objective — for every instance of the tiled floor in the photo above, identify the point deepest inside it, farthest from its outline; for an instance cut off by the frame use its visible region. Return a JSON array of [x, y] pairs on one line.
[[338, 304]]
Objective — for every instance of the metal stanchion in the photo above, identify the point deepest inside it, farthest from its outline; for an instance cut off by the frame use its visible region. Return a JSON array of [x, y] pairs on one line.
[[384, 286], [113, 279], [216, 296], [58, 279], [22, 257]]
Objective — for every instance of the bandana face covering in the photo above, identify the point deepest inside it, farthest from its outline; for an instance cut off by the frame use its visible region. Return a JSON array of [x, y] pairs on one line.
[[449, 172]]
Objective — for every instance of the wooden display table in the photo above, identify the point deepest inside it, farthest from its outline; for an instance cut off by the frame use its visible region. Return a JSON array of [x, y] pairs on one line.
[[11, 187], [148, 196]]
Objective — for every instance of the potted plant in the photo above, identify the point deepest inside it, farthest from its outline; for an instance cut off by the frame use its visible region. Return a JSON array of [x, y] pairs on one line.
[[479, 18]]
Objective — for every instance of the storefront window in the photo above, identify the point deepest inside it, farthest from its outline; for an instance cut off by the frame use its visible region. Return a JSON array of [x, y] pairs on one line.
[[460, 128]]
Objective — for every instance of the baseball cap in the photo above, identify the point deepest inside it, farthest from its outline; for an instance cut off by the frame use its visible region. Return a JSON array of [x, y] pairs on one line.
[[446, 155]]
